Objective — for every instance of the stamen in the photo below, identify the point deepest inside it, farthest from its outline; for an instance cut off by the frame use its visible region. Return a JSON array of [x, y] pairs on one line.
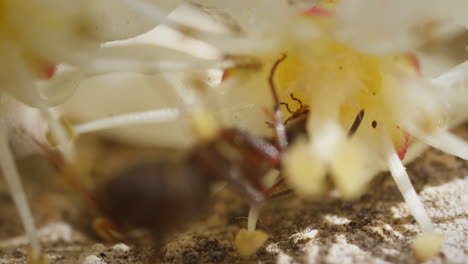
[[405, 186], [59, 134], [348, 170], [327, 139], [105, 65], [452, 88], [228, 43], [153, 12], [12, 178], [61, 87], [254, 212], [147, 117], [445, 141], [192, 100], [27, 87], [456, 76]]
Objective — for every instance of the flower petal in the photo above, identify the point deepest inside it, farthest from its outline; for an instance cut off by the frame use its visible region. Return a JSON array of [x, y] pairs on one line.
[[380, 26], [115, 21]]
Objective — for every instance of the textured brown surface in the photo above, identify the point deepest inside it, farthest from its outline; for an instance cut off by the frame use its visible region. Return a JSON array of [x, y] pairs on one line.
[[376, 229]]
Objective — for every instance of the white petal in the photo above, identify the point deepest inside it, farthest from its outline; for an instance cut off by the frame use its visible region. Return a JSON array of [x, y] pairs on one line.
[[116, 94], [115, 21], [55, 30], [442, 140], [211, 32], [25, 125], [61, 87], [381, 26], [452, 88]]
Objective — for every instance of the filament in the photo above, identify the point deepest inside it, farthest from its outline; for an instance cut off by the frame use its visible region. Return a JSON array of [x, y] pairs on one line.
[[228, 43], [147, 117], [27, 86], [10, 172], [254, 212], [105, 65], [405, 186], [442, 140]]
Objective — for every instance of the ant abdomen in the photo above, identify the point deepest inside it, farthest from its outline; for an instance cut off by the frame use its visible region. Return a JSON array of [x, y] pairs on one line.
[[157, 196]]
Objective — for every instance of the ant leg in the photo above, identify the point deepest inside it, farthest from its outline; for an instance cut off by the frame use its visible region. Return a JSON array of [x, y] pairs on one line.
[[297, 114], [271, 153], [280, 130], [280, 136], [253, 148], [269, 124], [272, 189], [106, 230], [301, 105], [356, 123], [12, 178], [303, 109], [280, 194], [279, 125]]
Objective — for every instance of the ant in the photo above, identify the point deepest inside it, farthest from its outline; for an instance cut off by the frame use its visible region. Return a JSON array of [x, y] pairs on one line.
[[161, 196], [177, 190]]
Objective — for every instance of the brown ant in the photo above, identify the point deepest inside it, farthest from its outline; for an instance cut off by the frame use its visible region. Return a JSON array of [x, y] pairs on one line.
[[161, 196]]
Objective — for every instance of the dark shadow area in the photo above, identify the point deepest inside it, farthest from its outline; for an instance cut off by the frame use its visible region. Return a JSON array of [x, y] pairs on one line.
[[367, 229]]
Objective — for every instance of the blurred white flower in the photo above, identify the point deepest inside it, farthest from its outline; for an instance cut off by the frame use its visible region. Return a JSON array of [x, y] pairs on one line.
[[338, 74], [344, 57], [46, 47], [383, 26], [134, 91]]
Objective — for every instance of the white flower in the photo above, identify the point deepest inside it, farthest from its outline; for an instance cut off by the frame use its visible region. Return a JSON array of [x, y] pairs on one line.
[[344, 57], [135, 92], [35, 37], [382, 26], [338, 80]]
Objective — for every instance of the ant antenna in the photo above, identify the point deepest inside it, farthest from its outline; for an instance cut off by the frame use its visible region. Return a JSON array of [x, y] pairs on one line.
[[276, 100], [356, 123], [297, 100], [287, 107], [280, 130], [301, 110]]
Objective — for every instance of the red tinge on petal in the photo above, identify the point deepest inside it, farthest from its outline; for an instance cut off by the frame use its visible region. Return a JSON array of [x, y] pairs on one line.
[[318, 11], [225, 74], [401, 150], [48, 71], [414, 61]]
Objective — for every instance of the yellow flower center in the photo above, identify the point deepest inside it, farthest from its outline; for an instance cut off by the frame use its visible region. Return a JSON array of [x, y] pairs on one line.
[[339, 81]]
